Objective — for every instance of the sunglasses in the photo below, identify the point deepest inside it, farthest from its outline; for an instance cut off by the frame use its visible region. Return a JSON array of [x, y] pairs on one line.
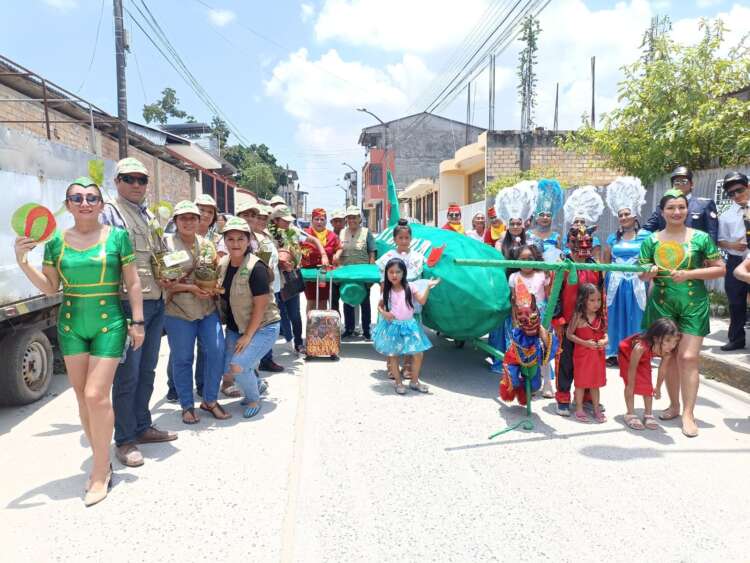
[[737, 191], [142, 180], [77, 199], [454, 215], [681, 182]]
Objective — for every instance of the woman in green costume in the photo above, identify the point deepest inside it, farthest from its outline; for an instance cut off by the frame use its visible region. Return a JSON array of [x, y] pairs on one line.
[[681, 258], [91, 261]]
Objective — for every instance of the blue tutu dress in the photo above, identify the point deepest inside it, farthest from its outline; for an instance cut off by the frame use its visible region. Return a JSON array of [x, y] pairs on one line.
[[626, 293], [402, 337]]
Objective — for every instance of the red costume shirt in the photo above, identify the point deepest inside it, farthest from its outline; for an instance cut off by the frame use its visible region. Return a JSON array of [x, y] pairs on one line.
[[310, 255]]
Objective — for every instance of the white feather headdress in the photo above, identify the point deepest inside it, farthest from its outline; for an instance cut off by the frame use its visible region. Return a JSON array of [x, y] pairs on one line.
[[516, 202], [584, 203], [626, 192]]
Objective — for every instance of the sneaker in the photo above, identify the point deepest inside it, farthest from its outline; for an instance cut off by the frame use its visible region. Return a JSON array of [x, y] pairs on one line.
[[300, 350], [263, 387], [347, 334], [563, 409], [129, 455], [172, 397], [289, 345], [367, 337]]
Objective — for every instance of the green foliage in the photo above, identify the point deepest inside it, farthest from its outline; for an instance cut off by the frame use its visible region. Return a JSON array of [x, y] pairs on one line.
[[509, 180], [161, 110], [220, 130], [258, 177], [674, 109], [527, 77]]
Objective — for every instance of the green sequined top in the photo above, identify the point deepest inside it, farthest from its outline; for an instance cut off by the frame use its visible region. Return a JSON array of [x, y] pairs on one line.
[[95, 271]]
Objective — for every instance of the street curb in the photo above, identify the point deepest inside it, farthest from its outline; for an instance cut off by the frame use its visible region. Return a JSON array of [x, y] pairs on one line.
[[732, 374]]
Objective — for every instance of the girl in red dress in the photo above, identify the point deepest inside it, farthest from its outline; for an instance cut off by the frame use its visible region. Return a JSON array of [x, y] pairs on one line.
[[634, 357], [588, 332]]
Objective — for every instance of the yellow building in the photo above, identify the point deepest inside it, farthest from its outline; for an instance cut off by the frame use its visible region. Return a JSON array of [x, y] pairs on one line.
[[462, 178]]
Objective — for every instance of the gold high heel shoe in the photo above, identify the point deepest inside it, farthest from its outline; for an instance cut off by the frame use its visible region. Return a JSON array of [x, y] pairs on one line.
[[94, 497]]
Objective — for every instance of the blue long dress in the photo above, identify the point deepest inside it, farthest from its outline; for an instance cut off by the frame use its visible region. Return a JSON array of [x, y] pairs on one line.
[[626, 294]]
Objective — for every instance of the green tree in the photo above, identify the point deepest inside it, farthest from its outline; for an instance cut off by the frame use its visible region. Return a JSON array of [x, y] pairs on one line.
[[243, 158], [161, 110], [675, 109], [259, 178], [530, 30], [220, 130]]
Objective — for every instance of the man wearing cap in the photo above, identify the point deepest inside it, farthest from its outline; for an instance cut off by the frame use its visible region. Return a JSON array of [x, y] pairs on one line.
[[454, 219], [733, 231], [338, 221], [702, 213], [357, 247], [496, 230], [134, 379]]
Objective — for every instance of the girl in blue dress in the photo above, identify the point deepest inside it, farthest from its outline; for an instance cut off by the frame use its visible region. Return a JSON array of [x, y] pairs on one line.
[[626, 293], [398, 333]]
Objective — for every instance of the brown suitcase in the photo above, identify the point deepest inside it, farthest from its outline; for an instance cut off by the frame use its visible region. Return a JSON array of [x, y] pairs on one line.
[[323, 328]]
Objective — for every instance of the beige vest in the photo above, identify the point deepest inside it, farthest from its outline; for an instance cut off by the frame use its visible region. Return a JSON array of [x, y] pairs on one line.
[[185, 305], [143, 246], [240, 296], [354, 248]]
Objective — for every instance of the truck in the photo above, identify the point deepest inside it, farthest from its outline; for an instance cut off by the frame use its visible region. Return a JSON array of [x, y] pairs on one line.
[[32, 170]]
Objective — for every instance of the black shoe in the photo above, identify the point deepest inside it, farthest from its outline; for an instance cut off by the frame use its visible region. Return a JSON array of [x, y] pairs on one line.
[[737, 345], [367, 336], [172, 397], [270, 366], [347, 334], [612, 361]]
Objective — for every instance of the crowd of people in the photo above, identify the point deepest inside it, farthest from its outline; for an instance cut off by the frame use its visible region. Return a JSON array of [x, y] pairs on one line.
[[223, 288]]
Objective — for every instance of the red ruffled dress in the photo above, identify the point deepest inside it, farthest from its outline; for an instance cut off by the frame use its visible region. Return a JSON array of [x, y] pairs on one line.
[[643, 381], [590, 369]]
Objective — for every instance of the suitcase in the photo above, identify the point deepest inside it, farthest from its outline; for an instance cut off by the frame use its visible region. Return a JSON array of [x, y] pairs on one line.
[[323, 328]]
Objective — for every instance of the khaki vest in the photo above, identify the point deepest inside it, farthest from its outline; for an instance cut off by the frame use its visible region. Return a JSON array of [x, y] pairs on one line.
[[143, 246], [185, 305], [354, 248], [240, 296]]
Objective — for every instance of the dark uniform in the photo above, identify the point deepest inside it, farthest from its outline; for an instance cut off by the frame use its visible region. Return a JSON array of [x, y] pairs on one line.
[[702, 213]]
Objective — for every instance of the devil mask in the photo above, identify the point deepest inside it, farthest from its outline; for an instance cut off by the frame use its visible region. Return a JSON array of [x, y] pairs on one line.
[[526, 311], [581, 241]]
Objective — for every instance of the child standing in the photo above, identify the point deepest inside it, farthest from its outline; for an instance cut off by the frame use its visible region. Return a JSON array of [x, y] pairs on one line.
[[588, 332], [397, 332], [634, 356], [537, 282]]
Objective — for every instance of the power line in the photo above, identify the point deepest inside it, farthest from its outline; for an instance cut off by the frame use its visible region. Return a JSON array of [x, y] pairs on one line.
[[93, 53]]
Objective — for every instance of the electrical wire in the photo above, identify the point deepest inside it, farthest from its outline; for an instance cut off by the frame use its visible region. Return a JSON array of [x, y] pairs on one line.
[[93, 54]]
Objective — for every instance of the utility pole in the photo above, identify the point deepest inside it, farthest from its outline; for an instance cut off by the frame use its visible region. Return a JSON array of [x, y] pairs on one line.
[[491, 121], [593, 91], [557, 105], [468, 112], [122, 95]]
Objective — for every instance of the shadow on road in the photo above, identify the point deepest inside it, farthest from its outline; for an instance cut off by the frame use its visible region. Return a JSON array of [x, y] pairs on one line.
[[741, 425], [11, 416]]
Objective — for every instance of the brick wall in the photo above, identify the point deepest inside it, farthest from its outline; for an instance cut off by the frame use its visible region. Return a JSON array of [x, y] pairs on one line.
[[509, 152], [168, 182]]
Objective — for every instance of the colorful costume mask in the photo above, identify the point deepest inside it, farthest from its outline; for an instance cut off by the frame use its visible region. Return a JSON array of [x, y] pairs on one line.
[[581, 241]]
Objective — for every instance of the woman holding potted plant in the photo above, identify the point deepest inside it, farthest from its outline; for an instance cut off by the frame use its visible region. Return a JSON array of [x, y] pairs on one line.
[[191, 314]]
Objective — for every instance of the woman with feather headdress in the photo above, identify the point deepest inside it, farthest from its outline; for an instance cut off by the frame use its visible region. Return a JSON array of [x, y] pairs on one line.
[[626, 293]]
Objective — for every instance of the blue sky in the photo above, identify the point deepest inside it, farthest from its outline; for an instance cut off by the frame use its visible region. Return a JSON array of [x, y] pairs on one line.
[[290, 73]]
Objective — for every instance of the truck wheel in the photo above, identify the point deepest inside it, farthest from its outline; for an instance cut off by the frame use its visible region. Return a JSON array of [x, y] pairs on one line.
[[26, 372]]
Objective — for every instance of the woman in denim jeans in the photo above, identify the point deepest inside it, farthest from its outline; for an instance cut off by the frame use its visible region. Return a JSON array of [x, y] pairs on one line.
[[249, 311]]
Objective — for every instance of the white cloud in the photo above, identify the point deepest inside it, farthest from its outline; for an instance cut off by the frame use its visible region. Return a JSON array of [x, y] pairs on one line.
[[707, 3], [737, 21], [306, 11], [419, 26], [220, 18], [63, 5]]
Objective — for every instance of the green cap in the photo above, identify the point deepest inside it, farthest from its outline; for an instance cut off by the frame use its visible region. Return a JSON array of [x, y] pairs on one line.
[[245, 206], [282, 212], [130, 165], [353, 211], [338, 214], [235, 224], [205, 199], [184, 207], [277, 199], [674, 193], [84, 182], [265, 210]]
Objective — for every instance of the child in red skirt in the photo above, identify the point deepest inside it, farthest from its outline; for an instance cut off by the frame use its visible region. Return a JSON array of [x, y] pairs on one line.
[[634, 356], [588, 332]]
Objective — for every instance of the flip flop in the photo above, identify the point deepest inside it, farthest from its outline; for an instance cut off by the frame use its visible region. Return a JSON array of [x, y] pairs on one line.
[[251, 411], [191, 412], [633, 422], [650, 422], [668, 414], [582, 417]]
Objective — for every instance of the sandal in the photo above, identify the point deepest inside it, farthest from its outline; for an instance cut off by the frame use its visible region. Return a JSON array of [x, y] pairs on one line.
[[650, 422], [216, 410], [633, 422], [193, 419], [230, 390], [668, 414], [582, 417], [421, 387], [400, 389], [251, 411], [599, 416]]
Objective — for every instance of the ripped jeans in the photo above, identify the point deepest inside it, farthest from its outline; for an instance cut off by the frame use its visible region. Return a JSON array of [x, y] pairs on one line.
[[249, 358]]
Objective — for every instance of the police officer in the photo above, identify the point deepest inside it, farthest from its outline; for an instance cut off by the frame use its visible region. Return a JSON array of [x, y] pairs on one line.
[[701, 210], [733, 239]]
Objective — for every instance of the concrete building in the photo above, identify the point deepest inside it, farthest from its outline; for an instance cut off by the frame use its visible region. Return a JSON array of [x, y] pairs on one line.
[[419, 200], [411, 148]]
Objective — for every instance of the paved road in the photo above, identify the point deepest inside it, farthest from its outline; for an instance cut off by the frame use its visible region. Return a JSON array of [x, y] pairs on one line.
[[339, 468]]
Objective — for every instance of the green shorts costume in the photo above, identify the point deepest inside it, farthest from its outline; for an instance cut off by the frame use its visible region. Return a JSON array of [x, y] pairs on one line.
[[686, 303], [91, 319]]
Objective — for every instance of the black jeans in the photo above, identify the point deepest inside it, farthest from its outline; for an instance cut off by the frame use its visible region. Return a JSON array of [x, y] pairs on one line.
[[736, 291], [564, 370], [366, 314]]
